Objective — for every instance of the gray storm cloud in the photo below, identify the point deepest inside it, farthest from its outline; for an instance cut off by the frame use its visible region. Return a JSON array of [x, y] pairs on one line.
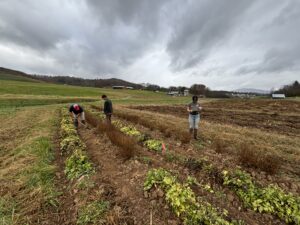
[[224, 44], [202, 26]]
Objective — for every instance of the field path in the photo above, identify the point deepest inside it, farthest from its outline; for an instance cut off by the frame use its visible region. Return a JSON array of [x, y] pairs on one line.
[[126, 177]]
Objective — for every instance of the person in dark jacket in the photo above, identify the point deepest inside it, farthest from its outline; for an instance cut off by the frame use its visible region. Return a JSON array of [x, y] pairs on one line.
[[77, 111], [108, 109]]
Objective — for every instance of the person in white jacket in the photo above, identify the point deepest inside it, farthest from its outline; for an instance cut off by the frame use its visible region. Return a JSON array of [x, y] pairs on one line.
[[194, 109]]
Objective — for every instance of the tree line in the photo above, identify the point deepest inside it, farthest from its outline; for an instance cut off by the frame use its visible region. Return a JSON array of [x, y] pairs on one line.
[[290, 90]]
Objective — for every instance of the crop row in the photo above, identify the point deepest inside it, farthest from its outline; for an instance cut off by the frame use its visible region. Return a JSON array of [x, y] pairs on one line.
[[145, 140], [157, 146], [168, 131], [118, 126], [78, 168], [77, 164], [270, 199], [183, 201]]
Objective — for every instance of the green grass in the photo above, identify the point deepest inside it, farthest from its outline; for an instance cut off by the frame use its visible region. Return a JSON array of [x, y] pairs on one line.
[[93, 213], [7, 210], [4, 76], [41, 173], [19, 94], [17, 102]]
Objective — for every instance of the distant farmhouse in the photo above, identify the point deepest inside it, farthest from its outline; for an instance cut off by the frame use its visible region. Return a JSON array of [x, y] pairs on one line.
[[278, 96], [178, 93]]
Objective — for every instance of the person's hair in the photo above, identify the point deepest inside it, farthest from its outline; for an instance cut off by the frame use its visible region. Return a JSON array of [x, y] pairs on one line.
[[195, 98], [104, 96]]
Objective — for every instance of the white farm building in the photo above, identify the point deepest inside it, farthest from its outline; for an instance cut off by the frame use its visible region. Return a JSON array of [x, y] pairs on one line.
[[278, 96]]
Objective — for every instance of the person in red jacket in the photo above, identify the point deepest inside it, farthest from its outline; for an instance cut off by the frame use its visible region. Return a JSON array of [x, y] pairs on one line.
[[77, 111]]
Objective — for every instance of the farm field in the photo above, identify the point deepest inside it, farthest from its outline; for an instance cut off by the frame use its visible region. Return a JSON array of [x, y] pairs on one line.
[[145, 169], [274, 116]]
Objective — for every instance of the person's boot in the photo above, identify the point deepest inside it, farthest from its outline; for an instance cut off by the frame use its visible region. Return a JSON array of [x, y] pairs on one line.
[[191, 131], [195, 134]]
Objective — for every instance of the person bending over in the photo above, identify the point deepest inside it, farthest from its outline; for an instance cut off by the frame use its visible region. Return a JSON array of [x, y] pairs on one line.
[[77, 112]]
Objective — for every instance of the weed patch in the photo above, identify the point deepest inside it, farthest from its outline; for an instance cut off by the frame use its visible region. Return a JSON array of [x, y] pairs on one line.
[[7, 211], [93, 213]]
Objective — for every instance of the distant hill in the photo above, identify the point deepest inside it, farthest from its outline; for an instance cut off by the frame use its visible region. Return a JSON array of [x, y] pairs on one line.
[[8, 74], [252, 90], [87, 82]]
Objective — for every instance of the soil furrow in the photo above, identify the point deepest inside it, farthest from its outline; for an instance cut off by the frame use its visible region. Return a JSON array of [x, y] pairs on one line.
[[127, 178]]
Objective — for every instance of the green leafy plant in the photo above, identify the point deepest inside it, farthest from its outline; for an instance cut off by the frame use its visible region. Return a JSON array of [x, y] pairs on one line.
[[67, 130], [77, 165], [192, 181], [154, 145], [118, 124], [270, 199], [68, 144], [183, 201]]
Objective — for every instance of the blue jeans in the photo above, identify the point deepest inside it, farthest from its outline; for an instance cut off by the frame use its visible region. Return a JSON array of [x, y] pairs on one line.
[[194, 121]]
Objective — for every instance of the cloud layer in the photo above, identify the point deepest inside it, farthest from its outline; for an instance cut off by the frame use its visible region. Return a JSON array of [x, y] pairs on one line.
[[223, 44]]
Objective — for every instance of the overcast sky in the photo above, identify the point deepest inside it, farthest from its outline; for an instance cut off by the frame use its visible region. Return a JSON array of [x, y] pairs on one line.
[[224, 44]]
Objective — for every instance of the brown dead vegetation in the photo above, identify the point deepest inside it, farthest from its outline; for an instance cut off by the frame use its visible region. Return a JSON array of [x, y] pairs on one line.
[[153, 124], [264, 160], [220, 146], [127, 144]]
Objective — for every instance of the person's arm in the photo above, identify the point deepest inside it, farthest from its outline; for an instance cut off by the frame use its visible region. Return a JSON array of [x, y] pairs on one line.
[[110, 108], [189, 108], [105, 109], [200, 108], [70, 110]]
